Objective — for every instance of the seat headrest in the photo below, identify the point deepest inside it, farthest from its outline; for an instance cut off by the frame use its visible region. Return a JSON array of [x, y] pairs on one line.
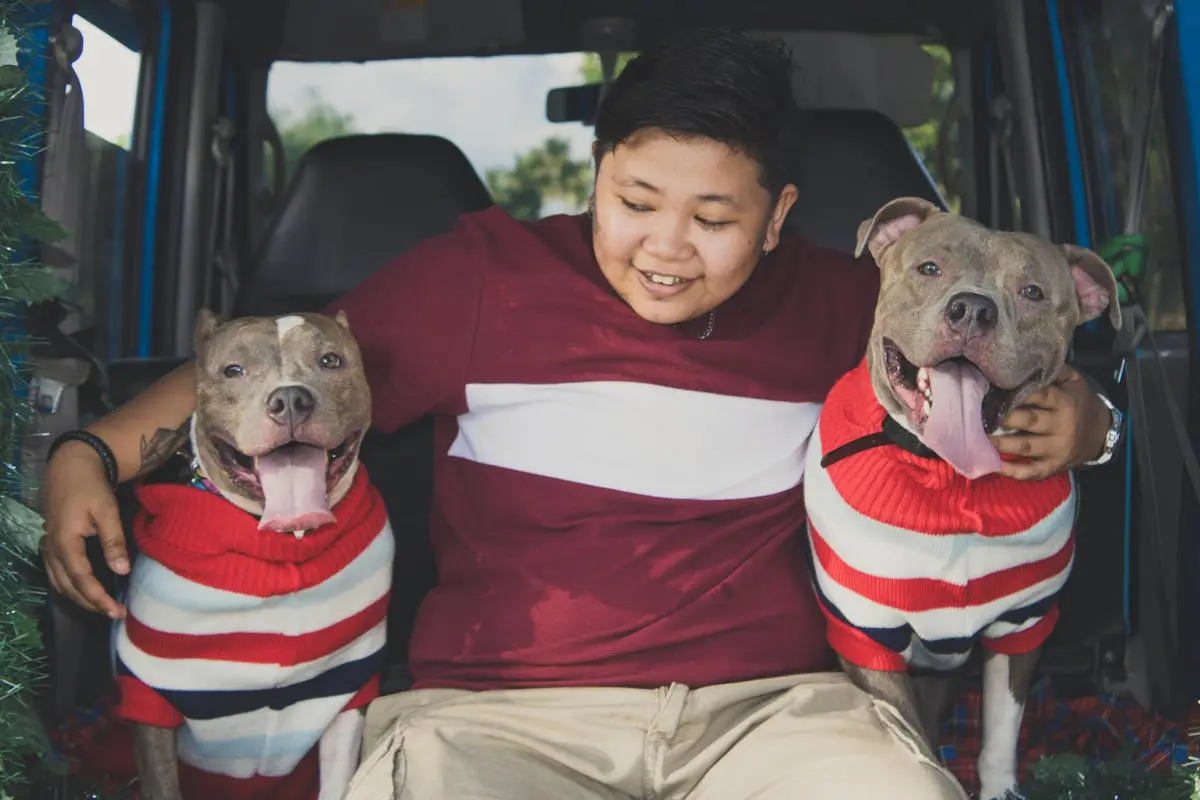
[[355, 203], [847, 164]]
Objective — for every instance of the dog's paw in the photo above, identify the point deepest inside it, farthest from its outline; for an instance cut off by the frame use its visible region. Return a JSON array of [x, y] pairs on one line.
[[998, 785], [994, 792]]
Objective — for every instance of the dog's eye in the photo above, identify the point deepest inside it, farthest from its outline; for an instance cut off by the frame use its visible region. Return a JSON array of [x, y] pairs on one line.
[[1032, 292], [331, 361], [233, 371], [929, 269]]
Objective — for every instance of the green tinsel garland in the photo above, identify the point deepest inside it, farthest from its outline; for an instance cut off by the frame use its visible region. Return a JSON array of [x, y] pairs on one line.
[[22, 281], [1071, 777]]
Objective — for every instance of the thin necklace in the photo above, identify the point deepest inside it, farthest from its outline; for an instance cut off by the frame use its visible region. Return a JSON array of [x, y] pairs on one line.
[[708, 327]]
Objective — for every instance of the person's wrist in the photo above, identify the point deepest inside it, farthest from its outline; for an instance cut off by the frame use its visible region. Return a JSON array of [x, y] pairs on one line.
[[1105, 432], [77, 458]]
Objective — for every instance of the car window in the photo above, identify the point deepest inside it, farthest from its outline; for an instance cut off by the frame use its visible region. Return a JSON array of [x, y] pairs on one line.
[[108, 73], [494, 109]]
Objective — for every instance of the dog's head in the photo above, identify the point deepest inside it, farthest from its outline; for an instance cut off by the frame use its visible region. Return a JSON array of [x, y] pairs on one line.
[[971, 321], [282, 405]]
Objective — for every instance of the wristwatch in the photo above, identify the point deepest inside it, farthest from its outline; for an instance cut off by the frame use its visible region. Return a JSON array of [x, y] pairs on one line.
[[1112, 437]]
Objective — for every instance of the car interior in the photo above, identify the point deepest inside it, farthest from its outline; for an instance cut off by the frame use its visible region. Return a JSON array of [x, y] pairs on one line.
[[864, 79]]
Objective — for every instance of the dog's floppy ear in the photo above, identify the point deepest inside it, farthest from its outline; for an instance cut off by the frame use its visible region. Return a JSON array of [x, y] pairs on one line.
[[206, 325], [1095, 285], [891, 222]]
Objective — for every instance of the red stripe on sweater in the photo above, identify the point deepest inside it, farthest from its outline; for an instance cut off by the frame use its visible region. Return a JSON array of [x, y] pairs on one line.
[[927, 594], [897, 488], [1026, 641], [139, 703], [366, 695], [257, 648], [301, 784], [205, 538], [856, 647]]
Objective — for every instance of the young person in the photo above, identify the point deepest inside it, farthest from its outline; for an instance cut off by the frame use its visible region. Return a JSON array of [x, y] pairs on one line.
[[624, 399]]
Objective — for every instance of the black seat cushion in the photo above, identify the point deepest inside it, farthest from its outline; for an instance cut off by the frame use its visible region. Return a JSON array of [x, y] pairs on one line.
[[846, 164], [355, 203]]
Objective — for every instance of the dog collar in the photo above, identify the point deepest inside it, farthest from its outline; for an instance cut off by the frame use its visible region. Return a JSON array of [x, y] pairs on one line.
[[892, 433], [199, 480]]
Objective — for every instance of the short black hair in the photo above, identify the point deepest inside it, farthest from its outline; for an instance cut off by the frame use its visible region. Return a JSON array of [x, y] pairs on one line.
[[708, 83]]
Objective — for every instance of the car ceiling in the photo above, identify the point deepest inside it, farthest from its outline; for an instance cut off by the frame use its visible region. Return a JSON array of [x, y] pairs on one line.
[[366, 30]]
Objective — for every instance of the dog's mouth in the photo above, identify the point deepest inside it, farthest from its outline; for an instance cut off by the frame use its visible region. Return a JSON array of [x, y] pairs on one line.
[[293, 481], [953, 407]]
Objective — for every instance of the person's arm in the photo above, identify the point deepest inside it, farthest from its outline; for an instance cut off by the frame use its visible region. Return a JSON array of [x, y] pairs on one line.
[[144, 432], [76, 497]]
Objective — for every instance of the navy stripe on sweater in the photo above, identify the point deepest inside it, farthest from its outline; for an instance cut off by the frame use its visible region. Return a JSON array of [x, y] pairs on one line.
[[897, 639], [346, 678]]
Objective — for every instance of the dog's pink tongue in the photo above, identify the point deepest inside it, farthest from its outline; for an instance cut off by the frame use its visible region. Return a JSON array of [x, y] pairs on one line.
[[294, 492], [954, 429]]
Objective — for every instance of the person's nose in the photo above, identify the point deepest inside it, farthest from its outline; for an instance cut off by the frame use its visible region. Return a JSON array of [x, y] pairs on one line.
[[667, 240]]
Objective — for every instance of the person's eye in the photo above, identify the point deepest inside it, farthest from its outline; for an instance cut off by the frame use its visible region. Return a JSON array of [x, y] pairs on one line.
[[712, 225], [635, 207]]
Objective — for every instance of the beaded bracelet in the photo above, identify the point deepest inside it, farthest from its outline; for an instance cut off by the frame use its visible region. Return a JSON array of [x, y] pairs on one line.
[[96, 443]]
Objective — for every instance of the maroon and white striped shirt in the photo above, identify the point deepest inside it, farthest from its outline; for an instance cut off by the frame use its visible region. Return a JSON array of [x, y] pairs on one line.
[[616, 502]]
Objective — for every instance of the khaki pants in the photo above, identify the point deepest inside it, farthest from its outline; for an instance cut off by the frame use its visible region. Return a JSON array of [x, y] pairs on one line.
[[810, 737]]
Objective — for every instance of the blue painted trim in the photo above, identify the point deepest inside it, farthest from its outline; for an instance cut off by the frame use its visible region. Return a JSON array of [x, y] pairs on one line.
[[1108, 193], [1083, 236], [153, 180], [1182, 108], [1187, 25]]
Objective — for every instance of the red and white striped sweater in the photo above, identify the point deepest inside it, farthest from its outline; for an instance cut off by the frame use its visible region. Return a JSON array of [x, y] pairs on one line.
[[913, 563], [252, 641]]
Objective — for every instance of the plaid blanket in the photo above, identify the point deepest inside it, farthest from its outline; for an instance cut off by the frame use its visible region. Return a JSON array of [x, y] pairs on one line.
[[1100, 728]]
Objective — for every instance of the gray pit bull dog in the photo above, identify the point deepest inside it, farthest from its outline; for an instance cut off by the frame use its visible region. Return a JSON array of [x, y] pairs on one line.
[[920, 549], [298, 568], [281, 408]]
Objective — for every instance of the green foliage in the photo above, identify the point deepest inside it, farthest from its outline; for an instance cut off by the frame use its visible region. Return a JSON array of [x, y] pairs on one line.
[[547, 172], [1071, 777], [319, 121], [590, 72], [22, 281], [924, 138]]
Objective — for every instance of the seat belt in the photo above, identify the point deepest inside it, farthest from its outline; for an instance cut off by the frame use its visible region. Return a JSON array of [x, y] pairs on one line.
[[221, 269], [1001, 111], [66, 149]]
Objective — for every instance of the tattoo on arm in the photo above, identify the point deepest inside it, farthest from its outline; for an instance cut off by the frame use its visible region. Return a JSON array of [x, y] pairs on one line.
[[161, 446]]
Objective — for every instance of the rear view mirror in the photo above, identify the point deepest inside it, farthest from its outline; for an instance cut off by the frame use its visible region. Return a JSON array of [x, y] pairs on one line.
[[573, 103]]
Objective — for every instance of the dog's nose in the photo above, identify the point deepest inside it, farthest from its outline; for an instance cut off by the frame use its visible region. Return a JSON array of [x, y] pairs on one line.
[[969, 312], [290, 405]]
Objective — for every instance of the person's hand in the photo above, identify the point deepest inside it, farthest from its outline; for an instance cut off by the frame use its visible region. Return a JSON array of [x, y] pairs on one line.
[[1054, 430], [79, 503]]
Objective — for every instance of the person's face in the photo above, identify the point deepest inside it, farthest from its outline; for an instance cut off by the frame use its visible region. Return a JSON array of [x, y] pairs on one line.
[[680, 224]]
